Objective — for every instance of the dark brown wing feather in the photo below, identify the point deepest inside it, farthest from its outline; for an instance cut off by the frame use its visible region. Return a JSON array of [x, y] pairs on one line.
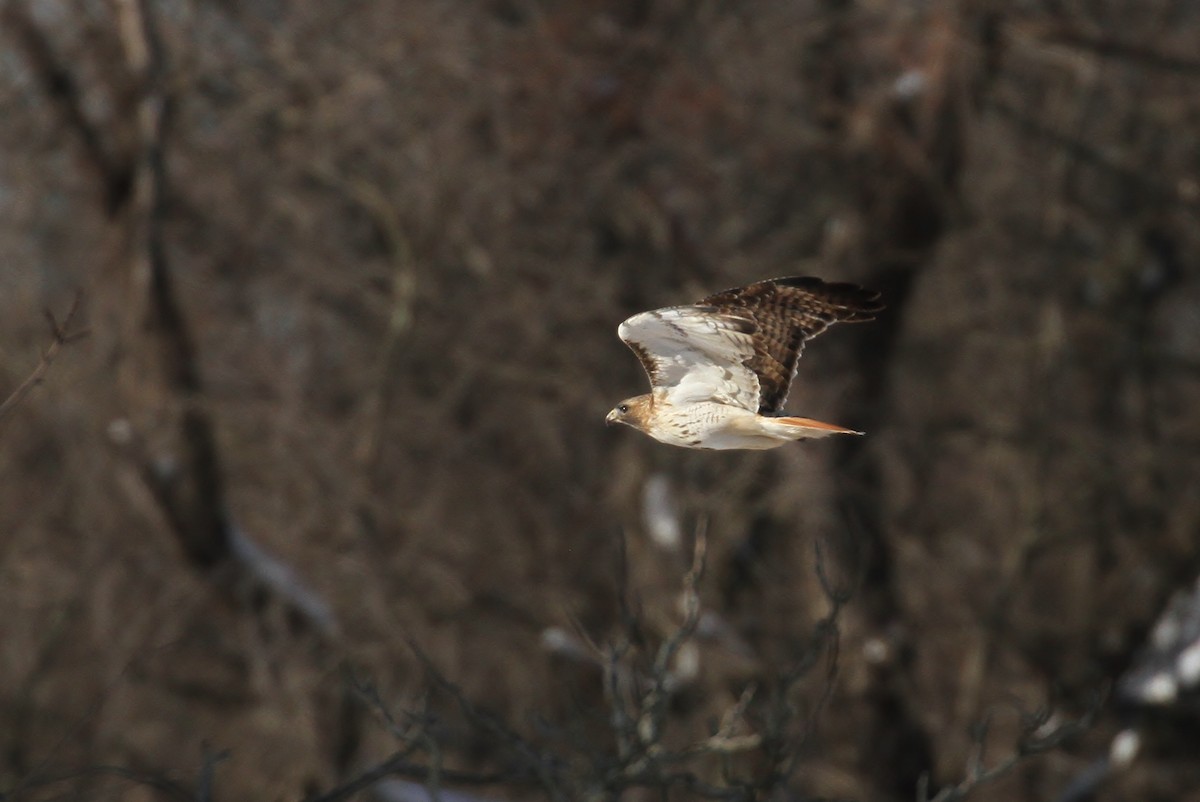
[[788, 312]]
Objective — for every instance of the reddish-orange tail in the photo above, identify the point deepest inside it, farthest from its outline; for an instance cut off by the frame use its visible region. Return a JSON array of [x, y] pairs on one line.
[[821, 426]]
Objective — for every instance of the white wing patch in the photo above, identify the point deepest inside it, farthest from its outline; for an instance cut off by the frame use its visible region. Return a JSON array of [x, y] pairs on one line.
[[696, 353]]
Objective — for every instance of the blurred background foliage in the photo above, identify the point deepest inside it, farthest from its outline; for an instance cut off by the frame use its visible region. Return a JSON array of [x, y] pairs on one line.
[[397, 239]]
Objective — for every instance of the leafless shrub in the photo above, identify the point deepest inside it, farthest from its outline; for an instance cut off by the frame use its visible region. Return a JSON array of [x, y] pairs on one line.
[[752, 753], [1041, 732], [749, 754]]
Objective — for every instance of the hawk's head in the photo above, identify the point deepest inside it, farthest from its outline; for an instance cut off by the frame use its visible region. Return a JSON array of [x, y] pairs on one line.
[[633, 412]]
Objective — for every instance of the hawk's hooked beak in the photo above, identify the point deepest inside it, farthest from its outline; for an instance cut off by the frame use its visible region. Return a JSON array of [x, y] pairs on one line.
[[611, 418]]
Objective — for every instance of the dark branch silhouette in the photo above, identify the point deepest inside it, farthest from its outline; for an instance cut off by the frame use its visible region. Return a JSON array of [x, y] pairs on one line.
[[61, 334]]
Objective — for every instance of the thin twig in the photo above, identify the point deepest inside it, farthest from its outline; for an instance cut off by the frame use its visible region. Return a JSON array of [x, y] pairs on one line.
[[204, 786], [1154, 186], [400, 766], [544, 766], [1029, 744], [654, 706], [165, 786], [61, 335], [1142, 55]]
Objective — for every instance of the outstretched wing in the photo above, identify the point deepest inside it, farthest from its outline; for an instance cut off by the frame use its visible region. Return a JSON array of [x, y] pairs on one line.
[[787, 313], [696, 353]]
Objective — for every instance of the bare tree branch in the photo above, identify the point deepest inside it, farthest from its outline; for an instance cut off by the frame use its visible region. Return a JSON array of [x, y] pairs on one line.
[[1109, 47], [1155, 186], [189, 486], [166, 788], [532, 760], [1041, 734], [208, 770], [654, 705], [400, 765], [61, 334], [61, 87]]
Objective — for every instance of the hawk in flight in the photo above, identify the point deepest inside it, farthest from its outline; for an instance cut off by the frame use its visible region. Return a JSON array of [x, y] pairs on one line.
[[720, 369]]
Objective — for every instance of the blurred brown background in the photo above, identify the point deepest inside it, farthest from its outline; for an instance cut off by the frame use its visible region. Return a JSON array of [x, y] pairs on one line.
[[351, 275]]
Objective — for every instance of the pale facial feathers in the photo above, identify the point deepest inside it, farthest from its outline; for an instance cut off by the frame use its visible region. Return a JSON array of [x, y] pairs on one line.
[[635, 412]]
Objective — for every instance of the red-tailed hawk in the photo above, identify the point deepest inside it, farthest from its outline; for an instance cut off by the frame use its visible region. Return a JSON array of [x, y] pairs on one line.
[[720, 369]]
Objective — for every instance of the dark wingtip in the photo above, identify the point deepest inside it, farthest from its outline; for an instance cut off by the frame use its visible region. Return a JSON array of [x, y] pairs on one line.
[[863, 303], [802, 282]]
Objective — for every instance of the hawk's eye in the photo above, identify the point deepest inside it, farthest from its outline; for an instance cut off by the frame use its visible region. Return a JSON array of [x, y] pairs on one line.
[[622, 408]]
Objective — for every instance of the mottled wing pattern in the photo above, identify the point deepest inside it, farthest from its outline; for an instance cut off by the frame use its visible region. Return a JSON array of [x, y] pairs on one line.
[[787, 312], [696, 353]]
